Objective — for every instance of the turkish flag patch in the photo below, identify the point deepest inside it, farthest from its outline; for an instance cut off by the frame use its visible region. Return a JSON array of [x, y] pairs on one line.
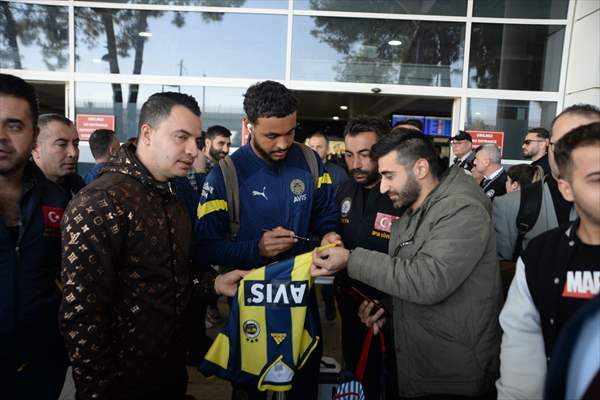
[[383, 222], [52, 216]]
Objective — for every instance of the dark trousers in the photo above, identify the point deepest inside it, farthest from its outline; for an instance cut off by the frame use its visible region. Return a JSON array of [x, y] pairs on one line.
[[353, 335], [199, 342], [329, 301], [172, 385]]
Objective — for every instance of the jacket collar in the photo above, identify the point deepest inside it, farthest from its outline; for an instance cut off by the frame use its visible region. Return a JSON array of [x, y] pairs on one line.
[[571, 231], [125, 162]]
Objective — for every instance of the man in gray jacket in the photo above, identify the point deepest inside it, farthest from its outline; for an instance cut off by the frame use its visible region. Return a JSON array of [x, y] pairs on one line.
[[554, 209], [441, 272]]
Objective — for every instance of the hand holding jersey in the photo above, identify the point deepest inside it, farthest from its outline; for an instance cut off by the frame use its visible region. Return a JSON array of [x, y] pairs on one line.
[[328, 261], [227, 284], [332, 237], [269, 334]]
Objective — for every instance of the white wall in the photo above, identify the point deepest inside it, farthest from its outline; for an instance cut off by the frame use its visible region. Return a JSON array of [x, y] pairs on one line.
[[583, 73]]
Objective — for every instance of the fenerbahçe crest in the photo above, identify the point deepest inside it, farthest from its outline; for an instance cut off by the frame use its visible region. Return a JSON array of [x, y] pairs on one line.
[[297, 187]]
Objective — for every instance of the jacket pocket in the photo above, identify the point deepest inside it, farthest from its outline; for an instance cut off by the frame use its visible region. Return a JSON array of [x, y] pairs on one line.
[[439, 348]]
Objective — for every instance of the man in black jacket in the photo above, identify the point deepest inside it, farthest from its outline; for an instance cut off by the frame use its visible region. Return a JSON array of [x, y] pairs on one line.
[[56, 152], [557, 273], [488, 164], [366, 221], [462, 147], [535, 148], [33, 360]]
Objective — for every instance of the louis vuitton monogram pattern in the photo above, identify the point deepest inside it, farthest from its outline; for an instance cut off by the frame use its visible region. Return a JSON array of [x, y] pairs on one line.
[[126, 280]]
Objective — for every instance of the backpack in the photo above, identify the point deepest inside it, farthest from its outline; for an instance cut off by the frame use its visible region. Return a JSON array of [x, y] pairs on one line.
[[232, 187], [529, 211]]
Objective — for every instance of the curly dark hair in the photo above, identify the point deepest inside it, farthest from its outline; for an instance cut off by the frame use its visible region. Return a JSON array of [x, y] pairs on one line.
[[269, 99]]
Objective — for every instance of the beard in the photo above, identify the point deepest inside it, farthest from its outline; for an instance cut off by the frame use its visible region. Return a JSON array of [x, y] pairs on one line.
[[409, 193], [216, 154], [14, 165], [371, 176], [526, 154], [265, 154]]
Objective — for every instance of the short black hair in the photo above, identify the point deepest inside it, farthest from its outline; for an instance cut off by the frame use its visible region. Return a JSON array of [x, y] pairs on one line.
[[582, 136], [200, 141], [411, 146], [100, 141], [14, 86], [217, 130], [159, 106], [399, 130], [319, 134], [579, 109], [45, 119], [417, 123], [366, 123], [269, 99], [540, 132]]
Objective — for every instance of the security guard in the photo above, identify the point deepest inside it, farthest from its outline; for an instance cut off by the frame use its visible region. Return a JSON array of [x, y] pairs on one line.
[[366, 220]]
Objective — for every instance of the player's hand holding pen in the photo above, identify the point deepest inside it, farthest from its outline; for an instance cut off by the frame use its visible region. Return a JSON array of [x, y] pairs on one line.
[[277, 240]]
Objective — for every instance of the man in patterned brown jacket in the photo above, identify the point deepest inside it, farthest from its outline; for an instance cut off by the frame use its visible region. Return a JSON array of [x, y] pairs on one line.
[[126, 268]]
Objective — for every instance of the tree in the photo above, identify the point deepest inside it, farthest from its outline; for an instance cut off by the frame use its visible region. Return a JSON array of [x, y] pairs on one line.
[[44, 26], [425, 57], [118, 30]]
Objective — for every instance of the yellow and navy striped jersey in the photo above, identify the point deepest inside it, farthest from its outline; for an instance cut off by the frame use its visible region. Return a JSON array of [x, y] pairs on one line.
[[269, 334]]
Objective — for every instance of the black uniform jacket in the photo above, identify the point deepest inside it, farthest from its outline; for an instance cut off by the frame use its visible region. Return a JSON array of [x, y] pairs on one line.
[[365, 221]]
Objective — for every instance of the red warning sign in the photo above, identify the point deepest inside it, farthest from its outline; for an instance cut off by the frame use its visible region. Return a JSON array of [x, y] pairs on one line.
[[486, 137], [87, 123]]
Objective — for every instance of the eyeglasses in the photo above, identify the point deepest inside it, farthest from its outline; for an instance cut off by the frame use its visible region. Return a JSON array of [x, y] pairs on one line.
[[453, 142], [528, 141]]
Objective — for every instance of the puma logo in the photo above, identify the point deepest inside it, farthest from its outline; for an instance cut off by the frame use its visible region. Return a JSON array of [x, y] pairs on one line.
[[262, 194]]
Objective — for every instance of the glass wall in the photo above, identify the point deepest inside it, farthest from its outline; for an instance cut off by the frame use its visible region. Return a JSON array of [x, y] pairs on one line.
[[209, 3], [516, 57], [538, 9], [34, 37], [425, 7], [512, 117], [378, 51], [175, 43], [215, 49], [219, 106]]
